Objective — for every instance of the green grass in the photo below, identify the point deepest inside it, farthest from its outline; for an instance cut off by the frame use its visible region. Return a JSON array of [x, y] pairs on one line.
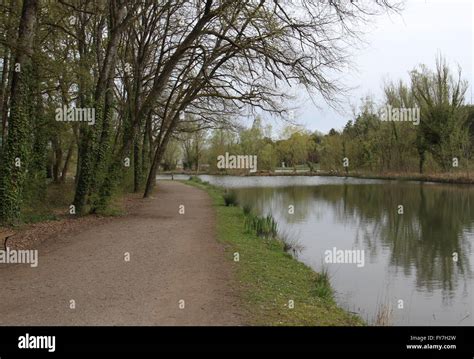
[[269, 278], [265, 227], [55, 201], [323, 288]]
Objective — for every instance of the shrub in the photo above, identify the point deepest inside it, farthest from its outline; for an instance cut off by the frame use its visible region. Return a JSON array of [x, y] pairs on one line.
[[230, 198], [195, 179], [247, 208]]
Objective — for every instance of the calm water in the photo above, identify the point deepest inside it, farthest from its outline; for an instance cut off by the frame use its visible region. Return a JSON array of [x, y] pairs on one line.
[[407, 256]]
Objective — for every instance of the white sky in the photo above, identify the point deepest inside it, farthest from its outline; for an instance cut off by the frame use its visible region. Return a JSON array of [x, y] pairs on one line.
[[395, 45]]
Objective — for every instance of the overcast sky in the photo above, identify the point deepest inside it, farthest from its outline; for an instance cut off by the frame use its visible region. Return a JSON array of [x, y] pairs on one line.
[[397, 44]]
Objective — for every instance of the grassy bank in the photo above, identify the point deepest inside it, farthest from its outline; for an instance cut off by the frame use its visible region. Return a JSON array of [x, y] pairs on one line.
[[269, 278]]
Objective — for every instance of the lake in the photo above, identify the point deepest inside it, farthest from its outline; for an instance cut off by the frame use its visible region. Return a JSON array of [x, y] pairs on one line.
[[416, 240]]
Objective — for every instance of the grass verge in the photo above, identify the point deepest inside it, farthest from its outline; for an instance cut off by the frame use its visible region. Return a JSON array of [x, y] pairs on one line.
[[270, 278]]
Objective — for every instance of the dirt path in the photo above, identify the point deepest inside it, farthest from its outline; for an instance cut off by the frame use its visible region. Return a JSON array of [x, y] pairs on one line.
[[173, 257]]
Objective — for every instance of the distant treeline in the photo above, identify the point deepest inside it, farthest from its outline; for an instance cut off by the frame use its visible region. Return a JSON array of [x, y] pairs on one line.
[[423, 126]]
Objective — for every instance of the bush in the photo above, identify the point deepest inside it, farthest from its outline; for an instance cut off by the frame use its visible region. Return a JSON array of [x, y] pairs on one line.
[[247, 208], [195, 179], [230, 198]]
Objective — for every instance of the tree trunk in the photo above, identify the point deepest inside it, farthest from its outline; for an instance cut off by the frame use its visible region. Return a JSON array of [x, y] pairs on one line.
[[18, 145], [422, 162], [137, 174], [66, 162], [150, 183], [3, 94], [145, 146], [58, 159], [6, 76], [94, 142]]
